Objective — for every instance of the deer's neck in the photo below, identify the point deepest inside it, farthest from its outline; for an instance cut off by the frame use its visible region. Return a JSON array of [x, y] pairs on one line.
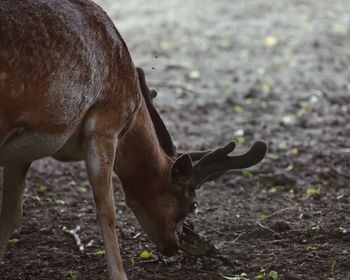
[[140, 162]]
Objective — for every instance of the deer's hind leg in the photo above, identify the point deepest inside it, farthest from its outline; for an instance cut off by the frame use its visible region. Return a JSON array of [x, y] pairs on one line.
[[11, 211]]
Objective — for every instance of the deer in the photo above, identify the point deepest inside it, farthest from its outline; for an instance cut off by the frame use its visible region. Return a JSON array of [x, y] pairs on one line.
[[69, 90]]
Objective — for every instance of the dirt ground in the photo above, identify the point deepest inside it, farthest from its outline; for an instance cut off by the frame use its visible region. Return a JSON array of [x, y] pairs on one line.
[[228, 69]]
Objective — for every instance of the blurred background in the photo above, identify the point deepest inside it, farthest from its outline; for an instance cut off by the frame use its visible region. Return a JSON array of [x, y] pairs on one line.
[[226, 69]]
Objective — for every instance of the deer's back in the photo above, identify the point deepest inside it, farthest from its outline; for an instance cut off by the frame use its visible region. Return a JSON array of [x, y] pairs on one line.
[[57, 59]]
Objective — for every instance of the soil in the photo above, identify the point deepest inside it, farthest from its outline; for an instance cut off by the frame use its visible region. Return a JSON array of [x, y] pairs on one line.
[[228, 69]]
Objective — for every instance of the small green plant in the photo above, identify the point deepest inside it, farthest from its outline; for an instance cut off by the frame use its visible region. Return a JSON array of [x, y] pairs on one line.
[[100, 252], [13, 241], [263, 216], [238, 109], [240, 140], [83, 189], [272, 275], [310, 192], [146, 255], [73, 275], [42, 188], [246, 174], [272, 190]]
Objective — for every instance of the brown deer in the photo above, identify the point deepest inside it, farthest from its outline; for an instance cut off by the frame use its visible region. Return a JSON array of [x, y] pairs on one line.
[[69, 90]]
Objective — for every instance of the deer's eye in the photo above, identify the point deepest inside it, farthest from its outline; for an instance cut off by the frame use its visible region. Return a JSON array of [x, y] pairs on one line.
[[193, 207]]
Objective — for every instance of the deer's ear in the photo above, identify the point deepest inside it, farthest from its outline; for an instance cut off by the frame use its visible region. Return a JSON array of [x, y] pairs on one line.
[[182, 168]]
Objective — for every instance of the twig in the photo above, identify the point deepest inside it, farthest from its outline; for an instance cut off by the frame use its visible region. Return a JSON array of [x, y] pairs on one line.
[[342, 151], [335, 170], [269, 229], [238, 237], [73, 232], [280, 211]]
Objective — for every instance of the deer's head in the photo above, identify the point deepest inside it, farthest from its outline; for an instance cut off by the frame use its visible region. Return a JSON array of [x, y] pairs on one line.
[[163, 211]]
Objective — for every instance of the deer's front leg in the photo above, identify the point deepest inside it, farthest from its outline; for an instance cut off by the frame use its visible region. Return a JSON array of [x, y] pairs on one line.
[[100, 156], [11, 211]]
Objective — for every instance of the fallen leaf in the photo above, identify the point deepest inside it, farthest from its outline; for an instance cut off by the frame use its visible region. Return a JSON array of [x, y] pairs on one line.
[[339, 28], [272, 190], [145, 255], [168, 45], [42, 189], [246, 174], [238, 109], [194, 75], [100, 252], [273, 275], [310, 191], [83, 189], [267, 87], [13, 241], [270, 41]]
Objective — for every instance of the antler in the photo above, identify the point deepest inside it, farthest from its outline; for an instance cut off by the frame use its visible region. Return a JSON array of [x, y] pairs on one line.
[[196, 155], [217, 162], [162, 132]]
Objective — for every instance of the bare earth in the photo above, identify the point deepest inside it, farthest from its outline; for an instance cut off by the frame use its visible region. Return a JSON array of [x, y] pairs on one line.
[[228, 69]]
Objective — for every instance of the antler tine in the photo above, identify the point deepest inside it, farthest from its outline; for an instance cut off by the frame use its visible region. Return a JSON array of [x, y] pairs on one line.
[[218, 162], [151, 92], [217, 154], [162, 132], [197, 155]]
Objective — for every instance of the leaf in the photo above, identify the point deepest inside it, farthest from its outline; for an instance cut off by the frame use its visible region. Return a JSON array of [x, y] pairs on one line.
[[295, 152], [240, 140], [339, 29], [42, 188], [168, 45], [100, 253], [289, 167], [270, 41], [249, 101], [239, 132], [212, 183], [263, 216], [60, 202], [259, 276], [145, 255], [73, 276], [273, 275], [238, 109], [305, 17], [288, 120], [225, 43], [194, 75], [310, 192], [283, 145], [267, 87], [37, 198], [13, 241], [83, 189], [272, 190], [246, 174]]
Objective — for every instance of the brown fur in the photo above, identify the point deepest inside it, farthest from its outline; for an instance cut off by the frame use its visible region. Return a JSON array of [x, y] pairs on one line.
[[65, 70]]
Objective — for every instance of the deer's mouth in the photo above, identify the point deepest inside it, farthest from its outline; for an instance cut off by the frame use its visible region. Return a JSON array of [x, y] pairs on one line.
[[193, 244]]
